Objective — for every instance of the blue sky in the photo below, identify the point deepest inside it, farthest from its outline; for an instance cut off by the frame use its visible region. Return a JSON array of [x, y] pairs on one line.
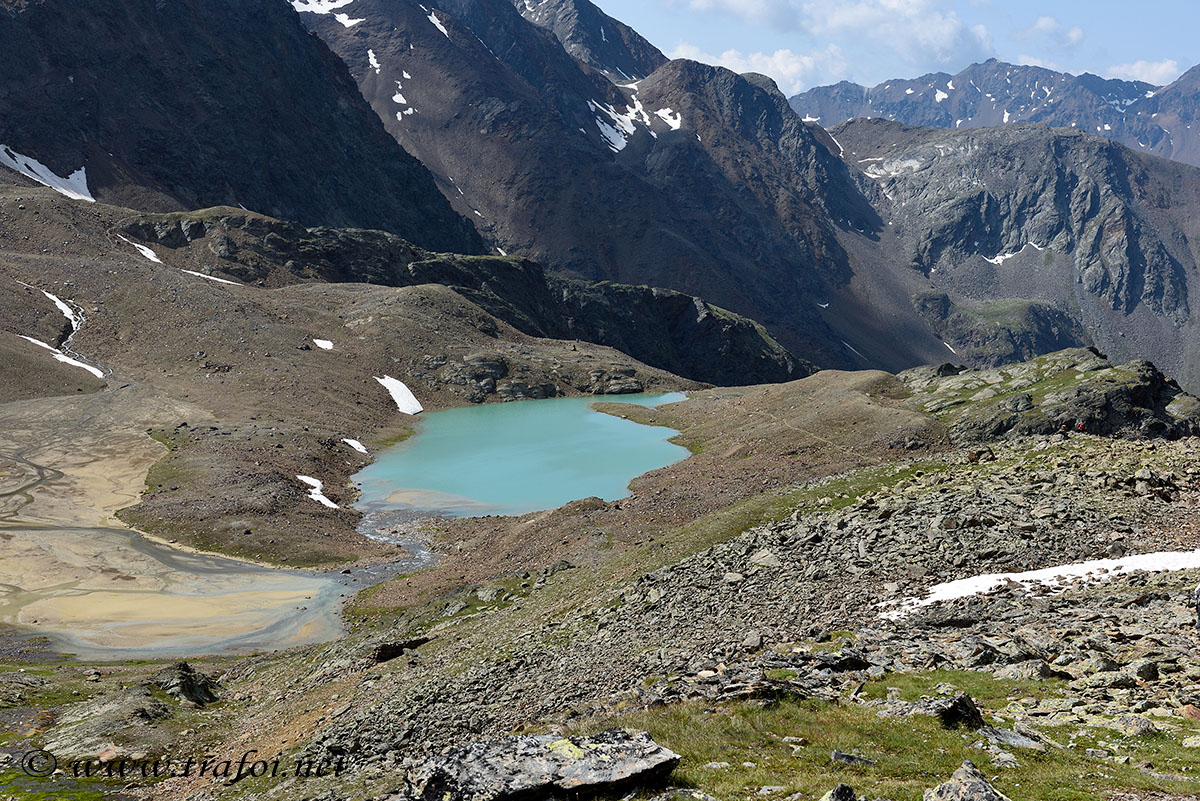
[[804, 43]]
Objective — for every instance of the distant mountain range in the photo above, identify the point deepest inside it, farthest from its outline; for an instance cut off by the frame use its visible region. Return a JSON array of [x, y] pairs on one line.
[[1151, 119]]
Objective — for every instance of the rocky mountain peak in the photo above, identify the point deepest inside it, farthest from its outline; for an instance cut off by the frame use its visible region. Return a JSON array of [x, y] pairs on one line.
[[594, 38]]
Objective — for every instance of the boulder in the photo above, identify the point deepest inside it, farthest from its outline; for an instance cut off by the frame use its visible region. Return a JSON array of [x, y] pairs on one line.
[[537, 767], [959, 711], [183, 683], [967, 784], [843, 792]]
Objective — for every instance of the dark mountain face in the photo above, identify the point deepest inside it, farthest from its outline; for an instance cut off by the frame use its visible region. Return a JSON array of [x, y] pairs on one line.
[[989, 217], [1139, 115], [595, 38], [695, 179], [184, 103]]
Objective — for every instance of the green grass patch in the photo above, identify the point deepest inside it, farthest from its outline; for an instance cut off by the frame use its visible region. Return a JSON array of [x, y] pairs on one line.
[[910, 754]]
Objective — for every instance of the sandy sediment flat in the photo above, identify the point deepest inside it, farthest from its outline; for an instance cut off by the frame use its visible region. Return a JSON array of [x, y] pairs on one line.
[[71, 571]]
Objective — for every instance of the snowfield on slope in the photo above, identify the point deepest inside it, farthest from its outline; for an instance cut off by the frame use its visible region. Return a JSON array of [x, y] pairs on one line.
[[401, 394], [1055, 578], [73, 186]]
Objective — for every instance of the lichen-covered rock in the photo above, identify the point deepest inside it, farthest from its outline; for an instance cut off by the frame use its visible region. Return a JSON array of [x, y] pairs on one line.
[[1069, 391], [534, 767], [967, 784]]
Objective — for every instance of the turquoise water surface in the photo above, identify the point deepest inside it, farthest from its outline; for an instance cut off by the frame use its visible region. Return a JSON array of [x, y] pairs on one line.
[[513, 458]]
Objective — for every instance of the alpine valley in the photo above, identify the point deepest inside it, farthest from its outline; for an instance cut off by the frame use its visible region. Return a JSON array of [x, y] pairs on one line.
[[932, 531]]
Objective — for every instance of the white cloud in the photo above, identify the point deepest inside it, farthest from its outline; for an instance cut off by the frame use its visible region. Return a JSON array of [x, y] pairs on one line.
[[1158, 73], [917, 30], [1052, 32], [1045, 25], [793, 71], [1037, 61]]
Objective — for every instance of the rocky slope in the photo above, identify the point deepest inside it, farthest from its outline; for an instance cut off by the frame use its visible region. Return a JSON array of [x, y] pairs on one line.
[[692, 635], [189, 104], [1101, 240], [1146, 118], [666, 329], [595, 38]]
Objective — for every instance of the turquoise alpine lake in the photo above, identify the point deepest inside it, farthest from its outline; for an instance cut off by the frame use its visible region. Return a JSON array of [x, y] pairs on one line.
[[514, 458]]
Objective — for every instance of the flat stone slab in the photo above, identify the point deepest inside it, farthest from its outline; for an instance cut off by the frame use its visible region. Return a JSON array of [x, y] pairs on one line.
[[538, 767]]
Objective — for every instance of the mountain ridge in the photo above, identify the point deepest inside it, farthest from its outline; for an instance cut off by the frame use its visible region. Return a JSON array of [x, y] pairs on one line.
[[993, 93]]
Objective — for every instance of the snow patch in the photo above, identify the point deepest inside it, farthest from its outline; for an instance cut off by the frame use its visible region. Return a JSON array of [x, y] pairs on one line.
[[617, 129], [808, 118], [672, 118], [346, 21], [402, 395], [952, 350], [1055, 578], [323, 344], [64, 358], [950, 85], [375, 65], [1000, 258], [320, 6], [73, 186], [1006, 116], [353, 443], [939, 96], [908, 91], [211, 278], [315, 493], [145, 251], [67, 311], [437, 23]]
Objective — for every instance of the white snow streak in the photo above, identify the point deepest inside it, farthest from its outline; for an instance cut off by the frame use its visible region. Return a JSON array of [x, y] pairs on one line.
[[67, 311], [64, 358], [353, 443], [1053, 577], [323, 344], [952, 350], [145, 251], [73, 186], [212, 278], [402, 395], [437, 23], [315, 491]]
